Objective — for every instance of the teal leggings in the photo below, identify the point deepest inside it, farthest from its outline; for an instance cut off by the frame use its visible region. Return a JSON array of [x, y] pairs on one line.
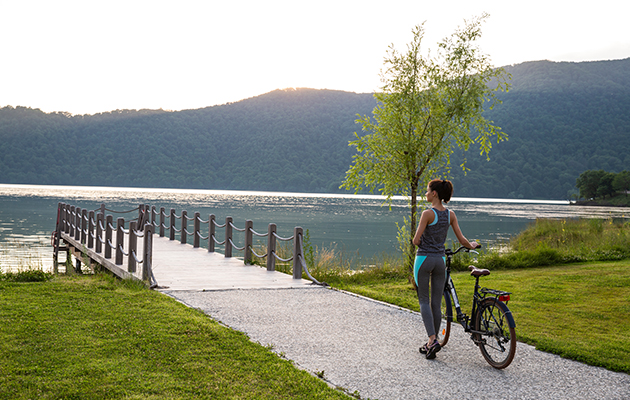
[[430, 276]]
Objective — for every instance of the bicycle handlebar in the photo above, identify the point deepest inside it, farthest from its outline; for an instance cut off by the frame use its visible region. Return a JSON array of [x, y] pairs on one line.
[[466, 249]]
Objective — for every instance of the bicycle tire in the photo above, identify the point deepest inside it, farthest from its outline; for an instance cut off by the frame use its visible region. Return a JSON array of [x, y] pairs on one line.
[[447, 318], [497, 340]]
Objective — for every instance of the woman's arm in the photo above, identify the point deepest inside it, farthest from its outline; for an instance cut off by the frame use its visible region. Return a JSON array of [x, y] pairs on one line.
[[460, 235], [426, 218]]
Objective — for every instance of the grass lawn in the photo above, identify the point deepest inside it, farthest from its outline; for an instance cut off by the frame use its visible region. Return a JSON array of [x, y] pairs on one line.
[[96, 337], [93, 337], [578, 311]]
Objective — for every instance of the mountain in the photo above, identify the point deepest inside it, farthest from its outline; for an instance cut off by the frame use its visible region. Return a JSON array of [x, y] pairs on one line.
[[561, 118], [286, 140]]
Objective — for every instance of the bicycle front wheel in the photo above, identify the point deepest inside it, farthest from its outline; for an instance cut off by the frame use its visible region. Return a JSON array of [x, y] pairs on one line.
[[496, 339], [447, 317]]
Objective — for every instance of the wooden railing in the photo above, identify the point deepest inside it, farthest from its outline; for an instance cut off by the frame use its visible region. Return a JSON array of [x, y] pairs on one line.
[[159, 220], [94, 230]]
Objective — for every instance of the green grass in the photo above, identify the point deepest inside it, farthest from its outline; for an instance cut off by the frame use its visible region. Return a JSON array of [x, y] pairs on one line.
[[76, 337], [555, 241], [95, 337], [578, 311]]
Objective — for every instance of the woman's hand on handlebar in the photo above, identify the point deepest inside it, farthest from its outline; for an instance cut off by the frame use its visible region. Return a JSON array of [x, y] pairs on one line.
[[474, 245]]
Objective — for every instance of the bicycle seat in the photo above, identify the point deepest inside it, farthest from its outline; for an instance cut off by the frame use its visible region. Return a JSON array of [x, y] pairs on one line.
[[474, 271]]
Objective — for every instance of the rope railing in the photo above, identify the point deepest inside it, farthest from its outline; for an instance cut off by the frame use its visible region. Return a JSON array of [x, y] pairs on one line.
[[96, 228], [258, 255], [303, 262], [93, 230], [210, 225], [283, 239], [282, 259]]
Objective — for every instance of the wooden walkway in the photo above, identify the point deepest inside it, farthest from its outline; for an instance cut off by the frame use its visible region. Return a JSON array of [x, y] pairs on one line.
[[178, 267]]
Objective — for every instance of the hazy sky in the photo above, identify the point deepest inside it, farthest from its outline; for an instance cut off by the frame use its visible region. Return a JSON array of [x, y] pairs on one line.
[[91, 56]]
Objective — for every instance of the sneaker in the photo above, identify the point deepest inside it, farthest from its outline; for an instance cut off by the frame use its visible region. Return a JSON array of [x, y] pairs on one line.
[[424, 348], [433, 349]]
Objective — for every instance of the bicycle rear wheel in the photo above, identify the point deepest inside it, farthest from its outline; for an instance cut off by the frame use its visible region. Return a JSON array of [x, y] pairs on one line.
[[496, 340], [447, 317]]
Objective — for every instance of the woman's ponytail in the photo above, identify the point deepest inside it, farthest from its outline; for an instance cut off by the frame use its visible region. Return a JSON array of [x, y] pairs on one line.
[[443, 187]]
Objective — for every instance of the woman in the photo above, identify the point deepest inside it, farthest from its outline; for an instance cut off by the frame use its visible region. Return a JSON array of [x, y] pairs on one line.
[[430, 260]]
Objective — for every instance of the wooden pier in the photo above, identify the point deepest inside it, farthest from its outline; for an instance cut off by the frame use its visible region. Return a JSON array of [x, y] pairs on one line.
[[151, 255]]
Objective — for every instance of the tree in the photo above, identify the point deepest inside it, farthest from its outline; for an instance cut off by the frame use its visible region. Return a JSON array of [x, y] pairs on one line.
[[427, 106], [588, 183], [606, 185], [621, 182]]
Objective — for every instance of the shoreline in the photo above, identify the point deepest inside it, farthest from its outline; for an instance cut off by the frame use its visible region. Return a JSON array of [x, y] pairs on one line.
[[598, 203]]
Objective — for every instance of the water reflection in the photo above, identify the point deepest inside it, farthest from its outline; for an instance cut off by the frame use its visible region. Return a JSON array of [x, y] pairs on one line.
[[354, 224]]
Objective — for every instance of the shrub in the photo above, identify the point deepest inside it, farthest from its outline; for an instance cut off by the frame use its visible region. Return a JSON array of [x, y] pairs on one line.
[[29, 275]]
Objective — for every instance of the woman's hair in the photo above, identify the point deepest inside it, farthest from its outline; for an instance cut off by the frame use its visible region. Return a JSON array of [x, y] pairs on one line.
[[443, 187]]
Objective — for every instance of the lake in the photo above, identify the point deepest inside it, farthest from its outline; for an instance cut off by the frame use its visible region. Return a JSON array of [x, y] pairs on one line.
[[353, 224]]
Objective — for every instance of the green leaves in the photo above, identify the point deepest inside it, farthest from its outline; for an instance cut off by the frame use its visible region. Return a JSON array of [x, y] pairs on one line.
[[426, 107]]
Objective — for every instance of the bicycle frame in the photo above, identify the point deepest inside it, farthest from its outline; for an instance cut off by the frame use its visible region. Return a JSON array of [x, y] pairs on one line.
[[450, 286], [478, 296], [491, 325]]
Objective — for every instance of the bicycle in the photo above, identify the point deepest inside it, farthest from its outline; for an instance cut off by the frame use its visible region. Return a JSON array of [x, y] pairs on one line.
[[492, 326]]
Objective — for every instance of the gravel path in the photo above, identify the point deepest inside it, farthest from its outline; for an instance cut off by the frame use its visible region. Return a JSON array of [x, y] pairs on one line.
[[370, 347]]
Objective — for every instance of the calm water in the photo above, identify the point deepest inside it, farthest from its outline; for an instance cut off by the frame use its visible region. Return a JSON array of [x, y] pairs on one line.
[[361, 225]]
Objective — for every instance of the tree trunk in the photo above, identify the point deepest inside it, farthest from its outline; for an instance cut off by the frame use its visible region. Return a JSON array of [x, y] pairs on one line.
[[412, 231]]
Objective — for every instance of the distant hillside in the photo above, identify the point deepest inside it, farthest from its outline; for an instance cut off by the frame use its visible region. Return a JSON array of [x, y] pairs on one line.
[[284, 140], [561, 118]]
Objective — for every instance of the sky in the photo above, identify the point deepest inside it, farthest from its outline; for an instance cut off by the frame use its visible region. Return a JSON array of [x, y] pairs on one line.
[[91, 56]]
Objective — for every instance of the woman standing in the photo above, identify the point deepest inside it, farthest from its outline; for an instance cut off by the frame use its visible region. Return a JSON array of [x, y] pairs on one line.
[[430, 264]]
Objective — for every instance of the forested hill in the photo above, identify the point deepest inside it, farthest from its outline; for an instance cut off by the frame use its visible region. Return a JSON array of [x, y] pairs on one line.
[[286, 140], [561, 118]]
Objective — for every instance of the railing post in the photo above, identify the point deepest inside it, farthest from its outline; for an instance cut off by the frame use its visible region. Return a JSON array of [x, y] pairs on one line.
[[120, 239], [153, 215], [133, 241], [184, 235], [247, 257], [60, 212], [103, 208], [90, 232], [228, 237], [83, 225], [141, 215], [108, 236], [197, 223], [147, 252], [66, 228], [147, 216], [271, 248], [171, 234], [297, 265], [77, 224], [162, 217], [211, 231], [99, 232], [72, 218]]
